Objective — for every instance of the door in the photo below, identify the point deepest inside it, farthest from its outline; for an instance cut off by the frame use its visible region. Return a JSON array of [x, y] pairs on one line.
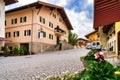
[[25, 45], [58, 40]]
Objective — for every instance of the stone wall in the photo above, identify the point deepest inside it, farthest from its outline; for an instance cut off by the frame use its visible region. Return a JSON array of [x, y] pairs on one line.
[[66, 45], [38, 47]]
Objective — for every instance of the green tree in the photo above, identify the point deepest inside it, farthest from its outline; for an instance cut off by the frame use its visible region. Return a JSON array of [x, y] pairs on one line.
[[72, 38]]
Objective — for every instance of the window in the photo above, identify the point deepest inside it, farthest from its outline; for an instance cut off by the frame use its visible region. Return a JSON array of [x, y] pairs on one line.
[[23, 19], [16, 34], [27, 32], [42, 20], [41, 34], [50, 36], [7, 34], [54, 15], [20, 19], [14, 21], [98, 43], [50, 24], [60, 19]]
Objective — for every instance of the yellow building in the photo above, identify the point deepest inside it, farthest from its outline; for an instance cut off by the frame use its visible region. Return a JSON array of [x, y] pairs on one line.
[[107, 21], [93, 36], [110, 37], [82, 42], [37, 26]]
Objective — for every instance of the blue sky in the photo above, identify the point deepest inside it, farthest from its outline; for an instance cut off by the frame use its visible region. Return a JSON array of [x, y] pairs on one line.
[[80, 13]]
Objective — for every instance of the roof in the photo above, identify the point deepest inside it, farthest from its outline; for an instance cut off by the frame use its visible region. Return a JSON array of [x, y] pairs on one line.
[[91, 33], [7, 2], [82, 39], [106, 12], [38, 4]]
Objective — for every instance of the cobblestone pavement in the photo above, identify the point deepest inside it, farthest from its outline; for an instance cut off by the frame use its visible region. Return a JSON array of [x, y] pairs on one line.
[[49, 63]]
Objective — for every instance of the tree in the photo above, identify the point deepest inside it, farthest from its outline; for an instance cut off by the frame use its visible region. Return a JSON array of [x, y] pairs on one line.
[[72, 38]]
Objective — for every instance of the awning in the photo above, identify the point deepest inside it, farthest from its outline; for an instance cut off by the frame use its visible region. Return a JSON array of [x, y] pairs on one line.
[[5, 39], [106, 12]]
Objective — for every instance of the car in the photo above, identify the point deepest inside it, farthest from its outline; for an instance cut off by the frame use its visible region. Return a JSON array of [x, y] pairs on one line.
[[88, 46], [95, 45]]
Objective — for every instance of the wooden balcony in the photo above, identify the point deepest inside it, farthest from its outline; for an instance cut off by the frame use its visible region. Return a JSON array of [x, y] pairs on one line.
[[59, 32]]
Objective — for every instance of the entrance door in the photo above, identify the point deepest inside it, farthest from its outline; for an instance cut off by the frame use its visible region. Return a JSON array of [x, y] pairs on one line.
[[119, 43], [58, 40], [25, 45]]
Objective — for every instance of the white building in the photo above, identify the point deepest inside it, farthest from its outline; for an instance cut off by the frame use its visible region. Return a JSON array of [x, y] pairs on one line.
[[3, 3]]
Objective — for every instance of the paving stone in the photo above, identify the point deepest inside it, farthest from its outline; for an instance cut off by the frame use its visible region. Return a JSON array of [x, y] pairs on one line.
[[47, 63]]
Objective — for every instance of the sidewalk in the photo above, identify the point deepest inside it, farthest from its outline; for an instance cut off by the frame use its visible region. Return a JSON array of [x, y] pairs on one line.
[[111, 57]]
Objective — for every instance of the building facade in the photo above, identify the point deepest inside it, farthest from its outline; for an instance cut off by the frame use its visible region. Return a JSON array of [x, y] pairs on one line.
[[38, 26], [93, 36], [110, 37], [107, 20], [2, 19], [82, 42]]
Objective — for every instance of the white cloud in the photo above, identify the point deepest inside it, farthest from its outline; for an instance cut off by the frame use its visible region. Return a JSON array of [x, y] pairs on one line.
[[82, 25], [56, 2], [87, 3], [90, 2], [59, 2]]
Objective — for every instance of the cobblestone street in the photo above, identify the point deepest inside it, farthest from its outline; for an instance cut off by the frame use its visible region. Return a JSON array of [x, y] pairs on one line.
[[48, 63]]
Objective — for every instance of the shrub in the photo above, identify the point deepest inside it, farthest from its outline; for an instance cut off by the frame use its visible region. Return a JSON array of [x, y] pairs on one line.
[[16, 50], [19, 50], [6, 50], [90, 55]]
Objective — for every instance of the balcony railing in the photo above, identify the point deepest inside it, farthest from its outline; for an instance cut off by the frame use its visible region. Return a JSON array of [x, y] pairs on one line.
[[59, 31]]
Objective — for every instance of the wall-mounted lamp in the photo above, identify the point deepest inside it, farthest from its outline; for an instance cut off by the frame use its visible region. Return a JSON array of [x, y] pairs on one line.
[[41, 32]]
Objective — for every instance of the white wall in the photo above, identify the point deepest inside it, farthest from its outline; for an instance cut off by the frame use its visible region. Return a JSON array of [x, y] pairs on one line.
[[2, 18], [2, 21]]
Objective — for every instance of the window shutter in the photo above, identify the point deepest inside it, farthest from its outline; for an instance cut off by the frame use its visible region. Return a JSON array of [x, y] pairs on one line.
[[29, 32], [24, 32], [25, 19]]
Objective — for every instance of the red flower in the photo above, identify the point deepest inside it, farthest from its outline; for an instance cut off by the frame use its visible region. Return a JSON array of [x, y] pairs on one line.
[[99, 56]]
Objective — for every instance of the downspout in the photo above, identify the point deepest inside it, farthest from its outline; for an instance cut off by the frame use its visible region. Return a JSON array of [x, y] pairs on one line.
[[32, 33]]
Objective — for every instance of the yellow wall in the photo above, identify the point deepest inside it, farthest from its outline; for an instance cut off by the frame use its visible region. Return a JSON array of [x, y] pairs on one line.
[[113, 39], [103, 38], [93, 37], [117, 29]]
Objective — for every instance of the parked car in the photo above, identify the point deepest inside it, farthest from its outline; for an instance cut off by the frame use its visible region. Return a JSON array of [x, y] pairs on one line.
[[88, 46], [95, 45]]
